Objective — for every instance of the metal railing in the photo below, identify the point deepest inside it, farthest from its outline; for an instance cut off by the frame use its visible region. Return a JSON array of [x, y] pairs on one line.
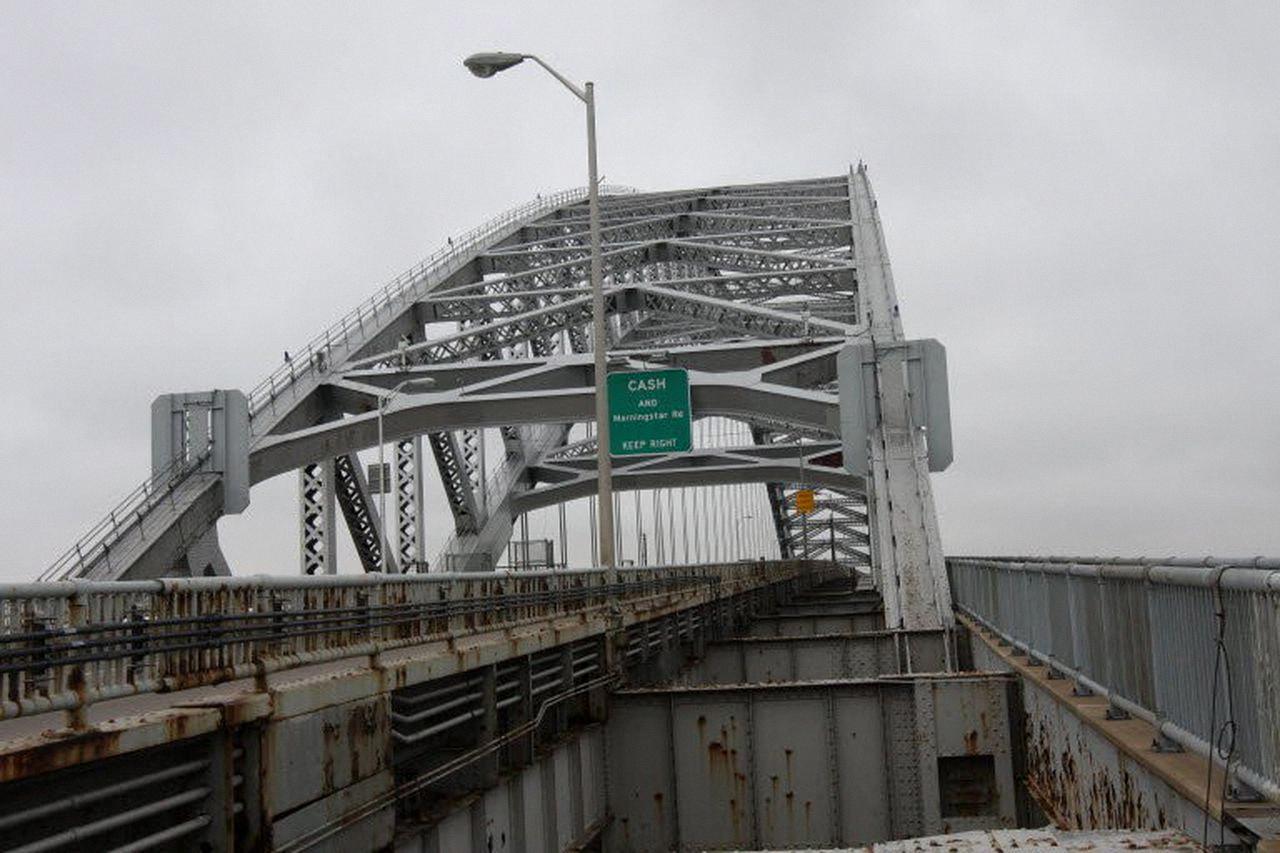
[[314, 357], [1190, 646], [68, 644], [129, 512]]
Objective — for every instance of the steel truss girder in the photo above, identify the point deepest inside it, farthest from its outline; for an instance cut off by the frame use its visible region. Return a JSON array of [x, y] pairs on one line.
[[759, 234], [569, 479], [496, 338], [638, 230], [797, 207], [317, 551], [459, 488], [781, 264], [410, 511], [363, 520], [494, 304], [565, 389]]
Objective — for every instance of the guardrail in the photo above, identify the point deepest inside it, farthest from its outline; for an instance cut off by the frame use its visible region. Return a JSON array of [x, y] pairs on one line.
[[66, 645], [128, 512], [1191, 646]]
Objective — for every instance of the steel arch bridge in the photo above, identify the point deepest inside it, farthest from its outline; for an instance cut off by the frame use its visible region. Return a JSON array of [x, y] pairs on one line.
[[755, 289]]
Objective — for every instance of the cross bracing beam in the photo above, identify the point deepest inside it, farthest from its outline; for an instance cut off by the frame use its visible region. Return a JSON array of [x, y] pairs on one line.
[[363, 519], [575, 478], [677, 220], [479, 341], [476, 302], [564, 389], [639, 230], [726, 228], [743, 258], [450, 455]]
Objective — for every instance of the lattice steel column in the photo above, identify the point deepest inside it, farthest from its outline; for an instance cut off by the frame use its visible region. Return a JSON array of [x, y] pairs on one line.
[[317, 520], [363, 520], [456, 459], [410, 521]]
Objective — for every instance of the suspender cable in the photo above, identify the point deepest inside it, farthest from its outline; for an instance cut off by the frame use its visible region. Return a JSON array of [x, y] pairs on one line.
[[564, 538], [657, 526], [617, 531], [684, 522], [671, 525], [642, 553]]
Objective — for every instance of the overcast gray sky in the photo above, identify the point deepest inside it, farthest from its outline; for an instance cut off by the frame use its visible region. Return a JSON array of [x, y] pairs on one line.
[[1081, 201]]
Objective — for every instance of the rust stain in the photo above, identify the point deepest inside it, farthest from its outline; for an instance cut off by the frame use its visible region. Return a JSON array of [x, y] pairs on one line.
[[971, 743], [58, 754], [331, 735], [175, 727], [1091, 797], [725, 778]]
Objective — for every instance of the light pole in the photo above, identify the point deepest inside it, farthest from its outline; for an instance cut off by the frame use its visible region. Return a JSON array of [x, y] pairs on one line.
[[487, 65], [420, 384]]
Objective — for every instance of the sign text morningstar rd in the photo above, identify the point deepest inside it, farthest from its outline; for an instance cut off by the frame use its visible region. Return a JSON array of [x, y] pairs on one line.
[[649, 412]]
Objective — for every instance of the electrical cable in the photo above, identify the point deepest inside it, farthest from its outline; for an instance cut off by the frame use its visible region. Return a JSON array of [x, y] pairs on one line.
[[1221, 664]]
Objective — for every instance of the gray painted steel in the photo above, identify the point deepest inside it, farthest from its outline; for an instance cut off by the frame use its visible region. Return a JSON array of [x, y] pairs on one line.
[[804, 625], [1081, 777], [804, 765], [771, 660], [926, 363], [66, 645], [906, 543], [556, 803], [753, 289], [1153, 637]]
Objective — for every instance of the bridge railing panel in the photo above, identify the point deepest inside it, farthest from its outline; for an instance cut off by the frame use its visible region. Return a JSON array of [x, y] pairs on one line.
[[68, 644], [1253, 639], [1191, 646]]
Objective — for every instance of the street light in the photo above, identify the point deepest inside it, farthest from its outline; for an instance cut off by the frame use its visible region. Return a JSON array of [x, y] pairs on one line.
[[487, 65], [417, 384]]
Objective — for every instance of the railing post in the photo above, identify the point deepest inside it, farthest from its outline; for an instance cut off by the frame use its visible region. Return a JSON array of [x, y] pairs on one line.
[[137, 644], [35, 676], [1110, 637], [77, 679], [1161, 742]]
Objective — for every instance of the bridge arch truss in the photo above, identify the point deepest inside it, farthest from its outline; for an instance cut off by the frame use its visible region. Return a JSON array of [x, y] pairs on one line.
[[754, 289]]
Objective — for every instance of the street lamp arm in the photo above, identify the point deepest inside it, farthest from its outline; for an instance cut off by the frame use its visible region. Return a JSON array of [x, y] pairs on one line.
[[580, 93]]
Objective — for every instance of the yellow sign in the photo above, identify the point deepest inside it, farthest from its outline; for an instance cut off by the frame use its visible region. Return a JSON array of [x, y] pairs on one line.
[[804, 501]]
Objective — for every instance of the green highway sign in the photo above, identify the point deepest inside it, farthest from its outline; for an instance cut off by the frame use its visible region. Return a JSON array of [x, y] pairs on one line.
[[649, 412]]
